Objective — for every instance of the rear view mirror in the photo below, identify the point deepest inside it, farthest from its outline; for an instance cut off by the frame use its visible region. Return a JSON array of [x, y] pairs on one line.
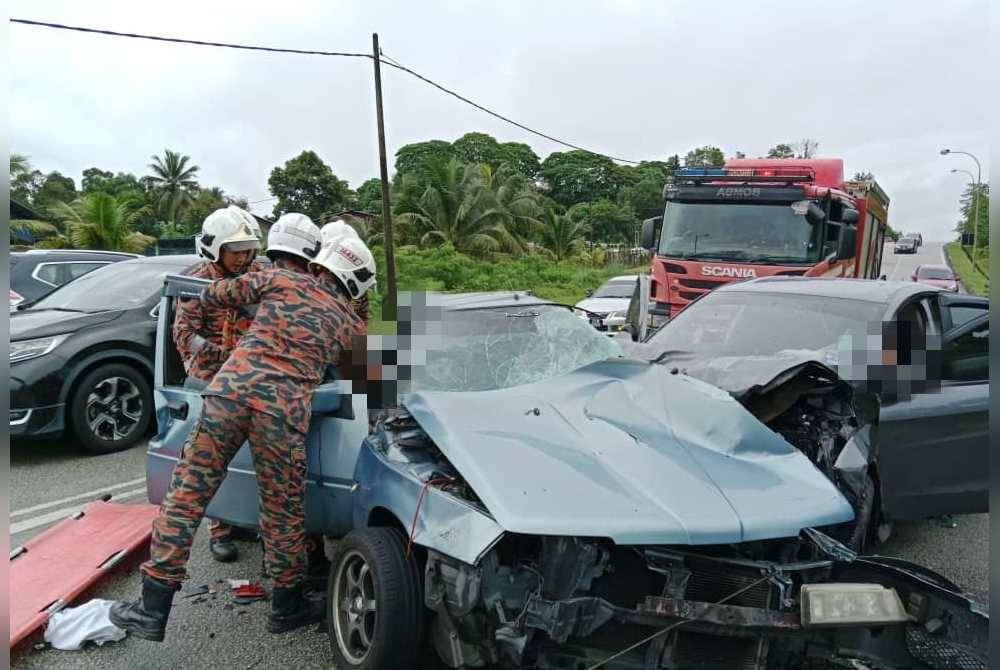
[[649, 232], [848, 241], [849, 215], [815, 214], [637, 320]]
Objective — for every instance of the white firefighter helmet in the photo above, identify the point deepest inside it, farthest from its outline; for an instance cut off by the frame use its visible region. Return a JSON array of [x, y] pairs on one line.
[[294, 234], [225, 228], [338, 229], [249, 218], [350, 261]]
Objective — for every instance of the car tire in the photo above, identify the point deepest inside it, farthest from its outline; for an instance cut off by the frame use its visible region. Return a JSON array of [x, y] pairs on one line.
[[111, 408], [371, 569]]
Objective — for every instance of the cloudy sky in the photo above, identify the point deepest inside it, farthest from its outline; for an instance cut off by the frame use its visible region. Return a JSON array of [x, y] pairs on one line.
[[882, 84]]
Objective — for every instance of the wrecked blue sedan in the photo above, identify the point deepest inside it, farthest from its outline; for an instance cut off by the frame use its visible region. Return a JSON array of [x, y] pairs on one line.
[[528, 497]]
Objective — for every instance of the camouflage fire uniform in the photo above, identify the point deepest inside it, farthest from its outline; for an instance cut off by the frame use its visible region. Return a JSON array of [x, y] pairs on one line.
[[263, 393], [205, 336]]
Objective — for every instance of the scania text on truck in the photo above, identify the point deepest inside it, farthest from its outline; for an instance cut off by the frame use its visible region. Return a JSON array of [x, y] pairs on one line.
[[762, 217]]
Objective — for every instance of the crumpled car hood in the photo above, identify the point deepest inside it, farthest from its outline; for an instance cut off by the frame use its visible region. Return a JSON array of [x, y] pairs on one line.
[[624, 449], [743, 375]]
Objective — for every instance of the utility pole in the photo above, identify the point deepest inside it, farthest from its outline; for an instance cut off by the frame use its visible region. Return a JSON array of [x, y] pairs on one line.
[[389, 304], [975, 200]]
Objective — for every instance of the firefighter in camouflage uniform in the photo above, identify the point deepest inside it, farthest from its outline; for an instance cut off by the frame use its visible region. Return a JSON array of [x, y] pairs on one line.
[[205, 335], [263, 393]]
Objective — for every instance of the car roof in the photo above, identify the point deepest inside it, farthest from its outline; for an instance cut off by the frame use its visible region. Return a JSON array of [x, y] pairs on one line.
[[77, 252], [483, 300], [176, 260], [871, 290]]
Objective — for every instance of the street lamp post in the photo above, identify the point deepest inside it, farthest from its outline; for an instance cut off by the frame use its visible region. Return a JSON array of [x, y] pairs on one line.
[[975, 200]]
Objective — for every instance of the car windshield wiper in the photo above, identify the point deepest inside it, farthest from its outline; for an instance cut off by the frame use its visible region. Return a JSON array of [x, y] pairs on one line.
[[672, 353], [70, 309]]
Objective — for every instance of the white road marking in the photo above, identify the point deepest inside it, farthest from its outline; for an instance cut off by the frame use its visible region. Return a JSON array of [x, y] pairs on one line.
[[78, 496], [59, 514]]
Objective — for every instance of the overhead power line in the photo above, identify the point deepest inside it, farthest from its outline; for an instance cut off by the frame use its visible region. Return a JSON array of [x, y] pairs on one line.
[[304, 52]]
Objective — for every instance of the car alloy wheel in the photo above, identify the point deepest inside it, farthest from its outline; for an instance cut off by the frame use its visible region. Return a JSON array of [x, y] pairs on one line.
[[354, 600], [114, 409]]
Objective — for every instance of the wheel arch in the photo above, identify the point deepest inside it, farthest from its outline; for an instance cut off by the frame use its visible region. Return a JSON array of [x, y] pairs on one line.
[[107, 356]]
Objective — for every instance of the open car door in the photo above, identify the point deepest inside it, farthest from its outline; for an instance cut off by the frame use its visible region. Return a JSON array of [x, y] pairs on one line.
[[339, 425], [934, 447]]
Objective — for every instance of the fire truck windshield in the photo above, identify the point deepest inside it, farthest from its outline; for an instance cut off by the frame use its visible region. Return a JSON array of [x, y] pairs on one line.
[[750, 233]]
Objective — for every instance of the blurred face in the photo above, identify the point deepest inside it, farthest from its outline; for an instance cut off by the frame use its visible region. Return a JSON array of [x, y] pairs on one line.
[[234, 262]]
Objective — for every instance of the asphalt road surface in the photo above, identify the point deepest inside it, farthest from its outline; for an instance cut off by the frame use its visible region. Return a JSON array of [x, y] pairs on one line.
[[53, 479]]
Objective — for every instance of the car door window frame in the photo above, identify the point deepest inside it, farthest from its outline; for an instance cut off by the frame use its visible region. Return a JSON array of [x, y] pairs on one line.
[[965, 329], [38, 269]]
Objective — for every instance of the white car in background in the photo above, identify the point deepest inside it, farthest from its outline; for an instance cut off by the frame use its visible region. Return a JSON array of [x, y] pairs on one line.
[[606, 307]]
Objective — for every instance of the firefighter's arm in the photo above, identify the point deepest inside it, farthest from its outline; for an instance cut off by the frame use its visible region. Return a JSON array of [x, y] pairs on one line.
[[245, 289], [196, 351]]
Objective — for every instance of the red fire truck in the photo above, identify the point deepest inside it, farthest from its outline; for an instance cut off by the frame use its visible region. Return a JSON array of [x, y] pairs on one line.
[[762, 217]]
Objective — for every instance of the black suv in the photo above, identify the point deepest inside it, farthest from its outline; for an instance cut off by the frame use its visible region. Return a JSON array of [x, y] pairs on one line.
[[36, 273], [81, 358]]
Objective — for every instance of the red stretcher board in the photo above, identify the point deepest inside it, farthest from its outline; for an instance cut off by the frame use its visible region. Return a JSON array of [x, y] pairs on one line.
[[59, 564]]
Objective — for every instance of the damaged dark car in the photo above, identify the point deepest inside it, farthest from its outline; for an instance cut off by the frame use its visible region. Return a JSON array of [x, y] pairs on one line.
[[532, 497]]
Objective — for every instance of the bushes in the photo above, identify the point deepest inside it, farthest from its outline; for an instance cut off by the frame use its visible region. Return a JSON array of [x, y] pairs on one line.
[[444, 269]]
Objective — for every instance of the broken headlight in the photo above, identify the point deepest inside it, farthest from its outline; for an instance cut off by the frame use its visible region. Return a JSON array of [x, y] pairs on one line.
[[851, 605]]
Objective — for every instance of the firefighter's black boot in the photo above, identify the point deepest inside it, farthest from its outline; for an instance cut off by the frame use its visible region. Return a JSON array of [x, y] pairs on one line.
[[146, 617], [291, 609]]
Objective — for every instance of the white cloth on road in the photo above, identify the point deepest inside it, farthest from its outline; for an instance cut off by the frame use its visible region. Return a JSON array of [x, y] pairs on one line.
[[69, 629]]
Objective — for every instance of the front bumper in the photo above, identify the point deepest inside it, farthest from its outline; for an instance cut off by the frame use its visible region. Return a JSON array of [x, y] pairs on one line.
[[36, 406]]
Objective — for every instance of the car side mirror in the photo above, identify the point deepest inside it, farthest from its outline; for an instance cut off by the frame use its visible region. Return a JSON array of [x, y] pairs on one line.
[[637, 320], [883, 278], [649, 233], [589, 292], [847, 243], [849, 216]]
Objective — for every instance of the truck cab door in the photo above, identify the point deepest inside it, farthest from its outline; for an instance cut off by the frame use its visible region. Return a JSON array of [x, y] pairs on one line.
[[934, 447]]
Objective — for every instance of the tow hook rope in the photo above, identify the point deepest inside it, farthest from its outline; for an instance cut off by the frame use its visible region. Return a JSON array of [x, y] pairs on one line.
[[664, 631], [435, 481]]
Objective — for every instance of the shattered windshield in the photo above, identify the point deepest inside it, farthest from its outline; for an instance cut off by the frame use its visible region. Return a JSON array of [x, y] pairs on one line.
[[487, 349], [759, 324]]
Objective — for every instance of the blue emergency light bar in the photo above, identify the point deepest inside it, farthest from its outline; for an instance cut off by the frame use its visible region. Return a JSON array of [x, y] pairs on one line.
[[786, 175]]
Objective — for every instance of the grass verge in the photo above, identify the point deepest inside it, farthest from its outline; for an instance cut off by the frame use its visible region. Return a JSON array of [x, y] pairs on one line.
[[973, 280]]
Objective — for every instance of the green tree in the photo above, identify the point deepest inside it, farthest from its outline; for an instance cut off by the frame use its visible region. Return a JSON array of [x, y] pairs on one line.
[[576, 176], [98, 221], [414, 157], [781, 151], [118, 185], [562, 236], [518, 203], [862, 176], [479, 148], [19, 165], [706, 156], [967, 223], [204, 202], [370, 196], [174, 181], [522, 158], [55, 188], [456, 208], [606, 221], [645, 198], [308, 185], [26, 185]]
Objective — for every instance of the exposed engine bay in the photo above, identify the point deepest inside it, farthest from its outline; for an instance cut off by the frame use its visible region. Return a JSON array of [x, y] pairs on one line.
[[542, 601]]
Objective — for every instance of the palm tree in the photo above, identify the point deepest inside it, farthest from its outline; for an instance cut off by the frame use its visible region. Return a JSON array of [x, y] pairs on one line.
[[19, 165], [98, 221], [520, 205], [455, 207], [174, 180], [562, 236]]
